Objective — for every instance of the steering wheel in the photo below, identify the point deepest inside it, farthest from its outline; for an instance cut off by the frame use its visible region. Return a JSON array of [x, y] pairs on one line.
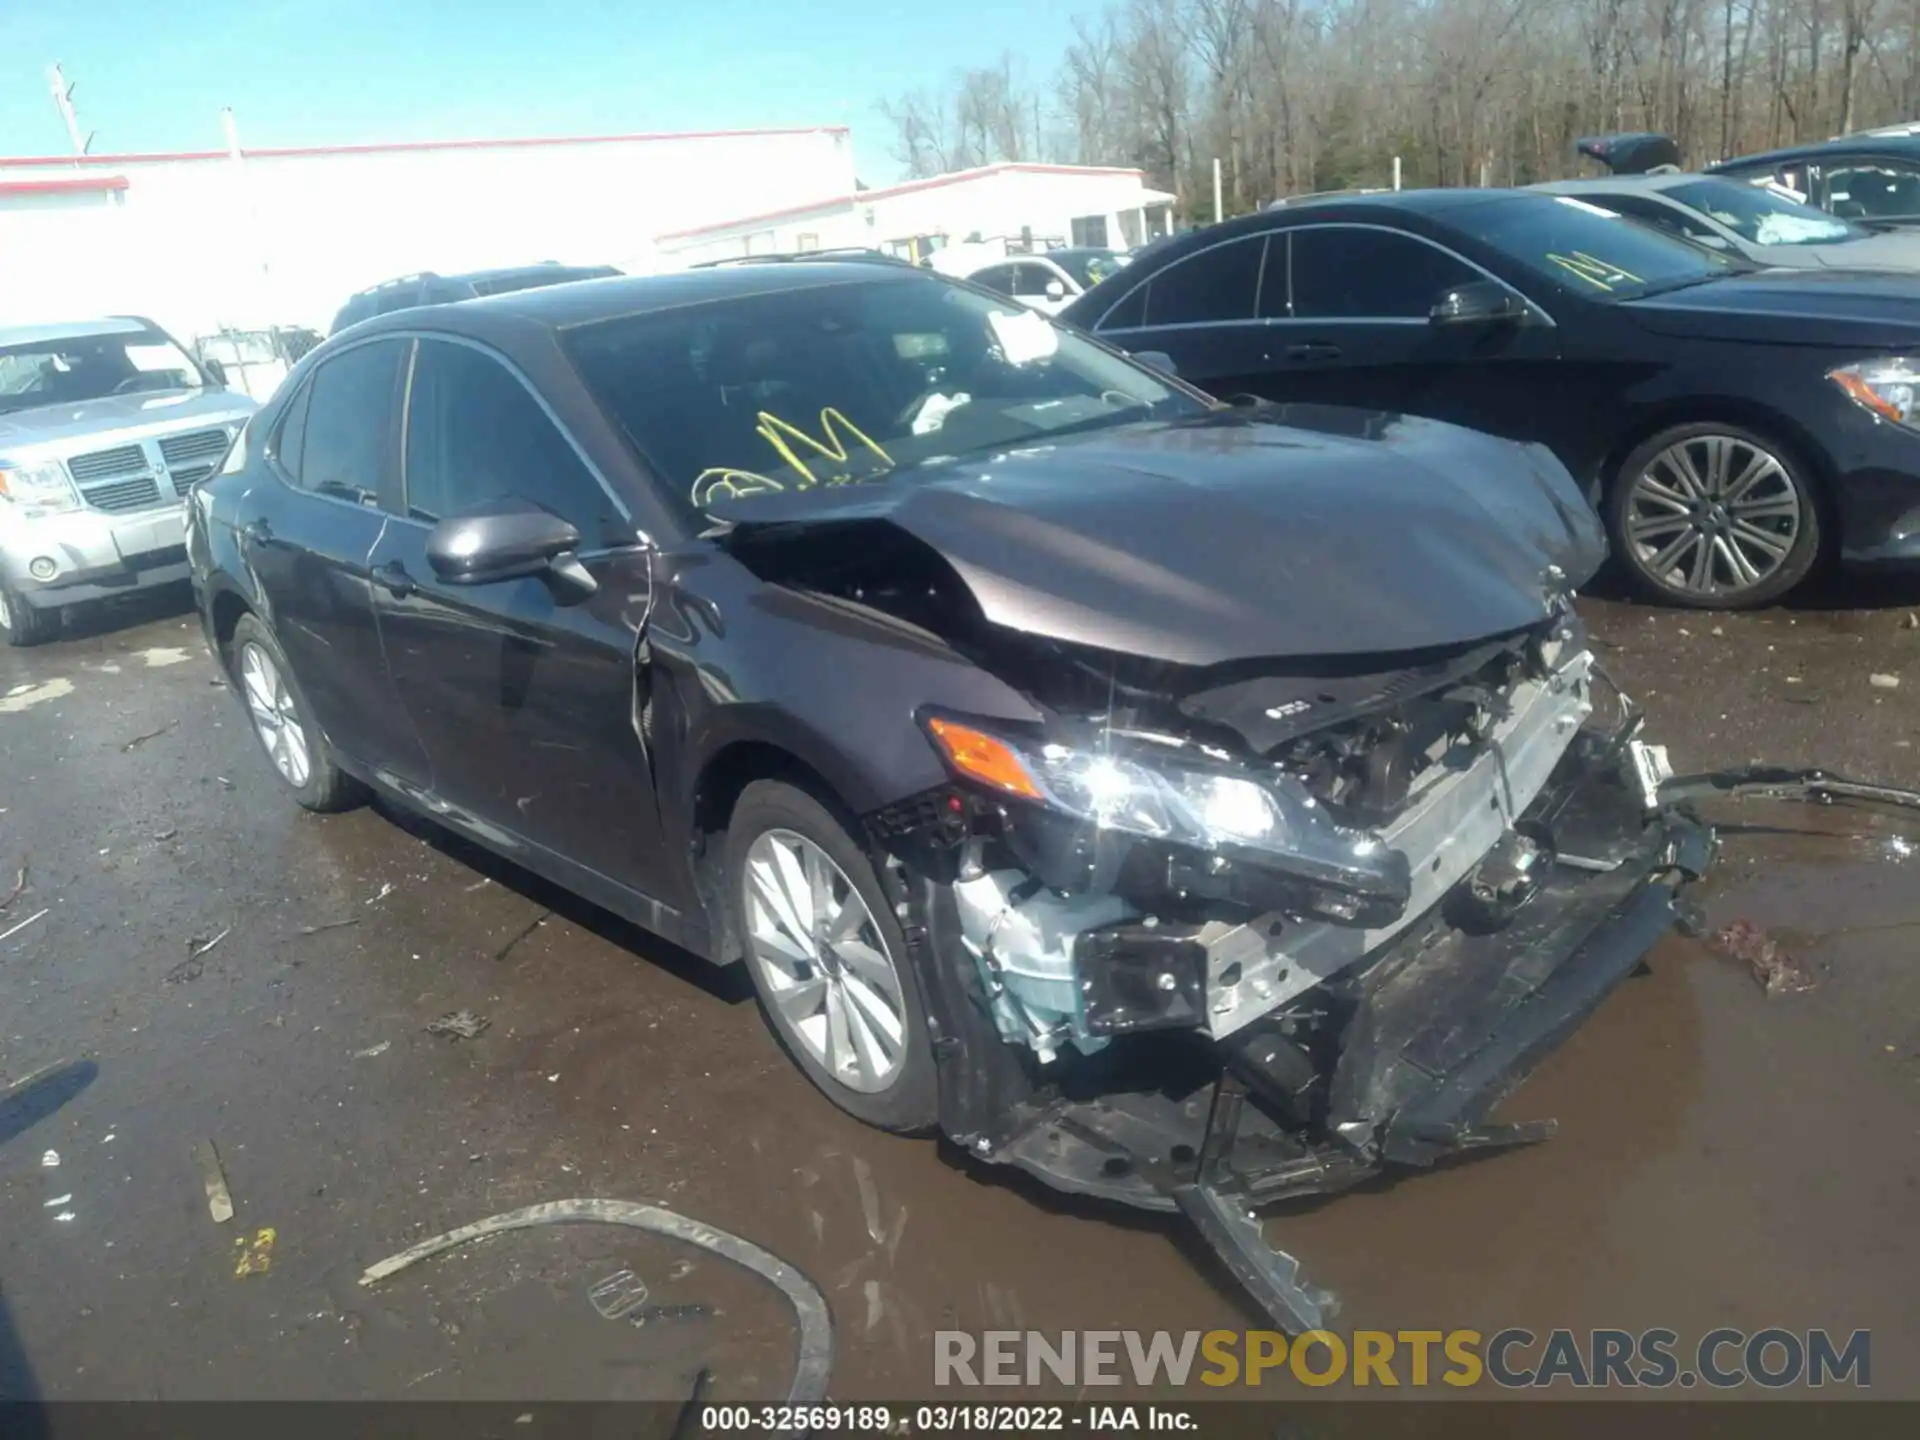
[[129, 385]]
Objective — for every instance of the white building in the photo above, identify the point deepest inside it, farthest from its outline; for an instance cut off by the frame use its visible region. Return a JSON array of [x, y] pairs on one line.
[[258, 238], [1014, 205]]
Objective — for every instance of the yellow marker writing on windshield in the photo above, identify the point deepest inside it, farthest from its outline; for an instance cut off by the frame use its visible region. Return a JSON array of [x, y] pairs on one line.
[[778, 432]]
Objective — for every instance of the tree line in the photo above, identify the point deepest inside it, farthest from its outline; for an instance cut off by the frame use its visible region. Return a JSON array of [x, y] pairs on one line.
[[1293, 96]]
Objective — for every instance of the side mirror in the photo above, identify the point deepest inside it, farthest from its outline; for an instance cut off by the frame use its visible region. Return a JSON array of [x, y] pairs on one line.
[[1156, 360], [509, 540], [216, 372], [1478, 302], [1056, 290]]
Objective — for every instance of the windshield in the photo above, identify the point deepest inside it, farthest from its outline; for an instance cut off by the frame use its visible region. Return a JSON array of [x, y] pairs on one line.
[[1586, 248], [1089, 267], [66, 370], [831, 384], [1763, 216]]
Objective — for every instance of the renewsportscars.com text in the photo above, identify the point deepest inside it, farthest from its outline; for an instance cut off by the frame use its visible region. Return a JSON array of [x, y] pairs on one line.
[[1773, 1358]]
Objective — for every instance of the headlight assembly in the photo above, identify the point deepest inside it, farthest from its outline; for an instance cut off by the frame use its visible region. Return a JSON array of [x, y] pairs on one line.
[[42, 486], [1885, 387], [1269, 820]]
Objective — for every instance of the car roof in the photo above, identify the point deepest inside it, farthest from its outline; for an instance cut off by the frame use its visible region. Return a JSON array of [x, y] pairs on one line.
[[73, 330], [1603, 183], [1900, 141], [586, 302]]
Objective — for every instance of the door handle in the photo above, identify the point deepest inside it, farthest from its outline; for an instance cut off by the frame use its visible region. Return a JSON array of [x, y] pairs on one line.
[[1313, 352], [394, 579], [259, 532]]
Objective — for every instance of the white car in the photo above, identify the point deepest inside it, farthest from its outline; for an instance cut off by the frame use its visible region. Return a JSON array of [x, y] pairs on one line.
[[1050, 280]]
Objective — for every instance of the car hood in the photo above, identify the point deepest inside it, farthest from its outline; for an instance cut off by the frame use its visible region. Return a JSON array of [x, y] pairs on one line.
[[116, 416], [1793, 307], [1895, 250], [1307, 531]]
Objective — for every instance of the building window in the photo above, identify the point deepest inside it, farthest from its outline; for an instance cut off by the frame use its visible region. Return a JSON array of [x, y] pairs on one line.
[[805, 242], [1131, 230], [1159, 220], [1090, 230], [760, 243]]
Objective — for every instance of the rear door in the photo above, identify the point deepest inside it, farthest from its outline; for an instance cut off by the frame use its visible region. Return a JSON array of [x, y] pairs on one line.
[[525, 705], [307, 533], [1208, 312]]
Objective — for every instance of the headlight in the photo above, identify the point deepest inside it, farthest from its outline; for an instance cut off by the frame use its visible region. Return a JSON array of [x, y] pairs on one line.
[[41, 486], [1885, 387], [1207, 809]]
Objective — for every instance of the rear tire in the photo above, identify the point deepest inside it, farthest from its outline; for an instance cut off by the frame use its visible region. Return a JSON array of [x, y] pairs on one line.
[[1714, 517], [284, 722], [827, 957], [21, 624]]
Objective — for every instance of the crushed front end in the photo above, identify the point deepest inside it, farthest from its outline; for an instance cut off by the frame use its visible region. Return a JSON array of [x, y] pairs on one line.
[[1210, 940]]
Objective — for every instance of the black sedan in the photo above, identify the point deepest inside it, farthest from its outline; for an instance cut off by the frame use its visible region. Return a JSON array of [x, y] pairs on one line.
[[1047, 740], [1734, 425]]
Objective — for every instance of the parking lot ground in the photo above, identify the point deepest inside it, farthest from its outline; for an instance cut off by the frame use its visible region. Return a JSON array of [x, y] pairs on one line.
[[1725, 1158]]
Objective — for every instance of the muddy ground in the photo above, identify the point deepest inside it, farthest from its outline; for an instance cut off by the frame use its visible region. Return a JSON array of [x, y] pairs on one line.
[[1725, 1158]]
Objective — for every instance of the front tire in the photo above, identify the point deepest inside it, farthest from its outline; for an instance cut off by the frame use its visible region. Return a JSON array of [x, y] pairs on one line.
[[827, 957], [1714, 517], [21, 624], [284, 723]]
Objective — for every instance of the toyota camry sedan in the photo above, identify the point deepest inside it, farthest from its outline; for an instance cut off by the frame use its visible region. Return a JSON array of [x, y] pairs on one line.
[[1190, 805]]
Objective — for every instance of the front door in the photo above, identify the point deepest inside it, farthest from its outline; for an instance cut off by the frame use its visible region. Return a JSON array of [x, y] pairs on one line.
[[525, 704], [307, 534]]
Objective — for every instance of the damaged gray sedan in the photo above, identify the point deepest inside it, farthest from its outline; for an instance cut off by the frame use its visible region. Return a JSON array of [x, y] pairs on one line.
[[1192, 805]]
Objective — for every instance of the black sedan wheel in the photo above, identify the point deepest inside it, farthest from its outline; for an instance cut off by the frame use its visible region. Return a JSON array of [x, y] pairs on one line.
[[284, 722], [827, 957], [1715, 517]]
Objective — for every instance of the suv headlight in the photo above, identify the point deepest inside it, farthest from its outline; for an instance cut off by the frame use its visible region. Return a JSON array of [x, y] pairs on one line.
[[1271, 820], [41, 486], [1885, 387]]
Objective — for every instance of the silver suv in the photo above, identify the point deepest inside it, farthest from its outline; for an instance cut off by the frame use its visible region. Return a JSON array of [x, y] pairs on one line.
[[104, 427]]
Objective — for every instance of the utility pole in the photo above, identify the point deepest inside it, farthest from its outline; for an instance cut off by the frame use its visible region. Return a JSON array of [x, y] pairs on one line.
[[1218, 213], [63, 102]]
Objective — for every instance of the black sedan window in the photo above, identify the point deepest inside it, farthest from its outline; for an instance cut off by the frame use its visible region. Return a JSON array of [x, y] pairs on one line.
[[830, 384], [1354, 272], [1586, 248]]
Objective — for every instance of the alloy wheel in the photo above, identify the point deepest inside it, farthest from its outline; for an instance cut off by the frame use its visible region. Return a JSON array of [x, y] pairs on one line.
[[1713, 515], [826, 967], [276, 719]]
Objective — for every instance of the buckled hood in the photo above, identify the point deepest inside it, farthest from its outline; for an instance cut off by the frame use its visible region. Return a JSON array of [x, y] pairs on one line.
[[1236, 537]]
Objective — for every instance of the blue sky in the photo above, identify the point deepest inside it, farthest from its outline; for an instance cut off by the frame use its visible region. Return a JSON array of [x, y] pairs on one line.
[[153, 76]]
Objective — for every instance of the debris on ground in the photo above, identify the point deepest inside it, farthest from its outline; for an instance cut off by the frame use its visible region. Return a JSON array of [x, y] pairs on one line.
[[522, 933], [1898, 849], [194, 966], [57, 1201], [255, 1256], [19, 886], [619, 1294], [329, 925], [16, 929], [372, 1050], [669, 1314], [1912, 622], [1777, 971], [166, 834], [214, 1178], [385, 890], [1883, 682], [461, 1024], [813, 1364], [224, 782], [50, 1160], [137, 741]]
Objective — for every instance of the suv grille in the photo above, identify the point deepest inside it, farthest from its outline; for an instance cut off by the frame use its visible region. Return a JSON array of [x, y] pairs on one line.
[[124, 495], [127, 460], [200, 445]]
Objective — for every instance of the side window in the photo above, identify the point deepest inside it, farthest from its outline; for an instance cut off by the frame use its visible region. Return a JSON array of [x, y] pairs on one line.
[[1874, 189], [997, 278], [1218, 284], [346, 444], [1032, 280], [291, 433], [1130, 313], [475, 433], [1351, 272]]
